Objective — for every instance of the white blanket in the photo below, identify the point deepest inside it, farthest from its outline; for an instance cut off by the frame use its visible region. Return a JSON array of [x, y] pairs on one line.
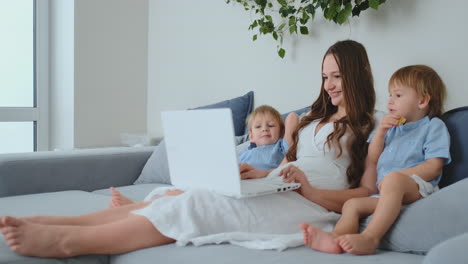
[[264, 222]]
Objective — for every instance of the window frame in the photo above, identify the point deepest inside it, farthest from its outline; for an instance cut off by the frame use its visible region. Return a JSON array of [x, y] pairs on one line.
[[39, 113]]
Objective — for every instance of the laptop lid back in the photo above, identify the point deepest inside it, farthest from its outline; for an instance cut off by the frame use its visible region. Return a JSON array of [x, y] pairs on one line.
[[201, 149]]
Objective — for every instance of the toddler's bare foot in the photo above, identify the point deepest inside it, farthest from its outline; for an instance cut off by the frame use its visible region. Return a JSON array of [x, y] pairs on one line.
[[358, 244], [118, 199], [174, 192], [320, 240], [32, 239]]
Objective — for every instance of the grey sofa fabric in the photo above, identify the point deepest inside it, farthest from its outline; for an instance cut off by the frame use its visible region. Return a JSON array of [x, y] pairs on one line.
[[66, 203], [134, 192], [86, 170], [429, 221], [229, 254], [452, 251]]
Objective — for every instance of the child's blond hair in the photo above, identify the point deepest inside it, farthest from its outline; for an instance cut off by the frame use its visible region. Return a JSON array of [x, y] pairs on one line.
[[426, 82], [266, 109]]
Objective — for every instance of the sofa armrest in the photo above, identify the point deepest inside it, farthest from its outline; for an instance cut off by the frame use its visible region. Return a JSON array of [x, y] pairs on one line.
[[87, 170]]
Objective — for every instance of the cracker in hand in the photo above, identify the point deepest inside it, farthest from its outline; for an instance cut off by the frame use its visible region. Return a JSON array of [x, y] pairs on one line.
[[401, 121]]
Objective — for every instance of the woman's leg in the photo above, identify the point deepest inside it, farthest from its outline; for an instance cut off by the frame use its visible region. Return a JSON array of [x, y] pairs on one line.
[[131, 233], [353, 210], [95, 218], [396, 189]]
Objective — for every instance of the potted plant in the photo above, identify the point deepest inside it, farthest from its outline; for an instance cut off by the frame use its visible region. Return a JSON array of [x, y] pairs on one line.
[[294, 15]]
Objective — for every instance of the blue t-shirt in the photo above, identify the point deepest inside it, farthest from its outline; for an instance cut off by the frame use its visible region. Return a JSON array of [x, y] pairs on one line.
[[411, 144], [264, 157]]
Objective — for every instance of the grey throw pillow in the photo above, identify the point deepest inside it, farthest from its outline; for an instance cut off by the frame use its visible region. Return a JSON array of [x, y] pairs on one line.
[[156, 169], [429, 221]]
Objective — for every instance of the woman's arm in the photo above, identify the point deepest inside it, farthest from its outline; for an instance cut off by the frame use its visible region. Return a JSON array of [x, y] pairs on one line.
[[290, 125], [332, 200]]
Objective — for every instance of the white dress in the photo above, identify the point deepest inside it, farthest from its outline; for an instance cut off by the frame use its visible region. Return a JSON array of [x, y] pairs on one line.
[[265, 222]]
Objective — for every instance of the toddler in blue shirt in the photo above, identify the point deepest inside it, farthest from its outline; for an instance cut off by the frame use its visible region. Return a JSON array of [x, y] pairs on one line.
[[269, 141], [406, 161]]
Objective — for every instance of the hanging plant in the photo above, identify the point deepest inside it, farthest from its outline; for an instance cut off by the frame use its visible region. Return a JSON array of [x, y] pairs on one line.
[[294, 15]]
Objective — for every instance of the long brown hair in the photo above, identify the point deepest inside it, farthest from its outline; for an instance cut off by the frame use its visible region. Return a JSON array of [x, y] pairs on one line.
[[359, 95]]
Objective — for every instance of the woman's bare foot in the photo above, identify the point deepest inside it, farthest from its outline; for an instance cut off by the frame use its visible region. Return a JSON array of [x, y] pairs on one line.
[[118, 199], [358, 244], [320, 240], [30, 239]]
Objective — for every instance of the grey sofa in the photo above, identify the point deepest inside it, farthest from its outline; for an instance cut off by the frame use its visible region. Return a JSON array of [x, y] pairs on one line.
[[77, 182]]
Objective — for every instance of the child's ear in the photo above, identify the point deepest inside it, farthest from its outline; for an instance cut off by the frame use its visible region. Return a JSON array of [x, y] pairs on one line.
[[250, 137], [424, 101]]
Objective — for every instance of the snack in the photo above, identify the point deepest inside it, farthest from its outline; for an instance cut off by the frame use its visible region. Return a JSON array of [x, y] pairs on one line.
[[401, 121]]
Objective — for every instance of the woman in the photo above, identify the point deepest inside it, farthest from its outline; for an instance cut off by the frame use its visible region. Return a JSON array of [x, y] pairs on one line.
[[328, 157]]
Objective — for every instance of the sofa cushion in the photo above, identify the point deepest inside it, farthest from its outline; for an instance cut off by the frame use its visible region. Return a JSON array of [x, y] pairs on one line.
[[133, 192], [65, 203], [429, 221], [229, 254], [457, 124], [451, 251]]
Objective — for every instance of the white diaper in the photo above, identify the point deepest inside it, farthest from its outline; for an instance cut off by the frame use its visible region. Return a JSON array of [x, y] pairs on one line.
[[425, 188]]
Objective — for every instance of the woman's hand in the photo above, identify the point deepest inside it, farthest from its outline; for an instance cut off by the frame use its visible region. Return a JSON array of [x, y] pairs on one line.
[[249, 172], [293, 174]]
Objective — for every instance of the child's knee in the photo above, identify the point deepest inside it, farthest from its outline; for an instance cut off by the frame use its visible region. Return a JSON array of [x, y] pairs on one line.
[[352, 205]]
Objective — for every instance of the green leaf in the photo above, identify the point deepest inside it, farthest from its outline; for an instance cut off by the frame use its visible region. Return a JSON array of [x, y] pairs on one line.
[[254, 38], [281, 26], [281, 52], [282, 2], [344, 14], [374, 4], [310, 9], [305, 18], [292, 20], [254, 25], [304, 30], [292, 29], [275, 35], [269, 18]]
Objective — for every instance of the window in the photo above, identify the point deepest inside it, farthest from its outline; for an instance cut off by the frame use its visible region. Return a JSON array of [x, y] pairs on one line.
[[24, 71]]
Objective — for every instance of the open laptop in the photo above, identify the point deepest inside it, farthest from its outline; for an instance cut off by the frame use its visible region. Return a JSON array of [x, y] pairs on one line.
[[201, 153]]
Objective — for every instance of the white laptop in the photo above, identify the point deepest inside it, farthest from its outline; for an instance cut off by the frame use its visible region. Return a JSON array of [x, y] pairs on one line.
[[201, 153]]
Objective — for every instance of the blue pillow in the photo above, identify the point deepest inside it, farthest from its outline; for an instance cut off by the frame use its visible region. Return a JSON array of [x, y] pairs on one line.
[[456, 121], [156, 169], [240, 106], [298, 111]]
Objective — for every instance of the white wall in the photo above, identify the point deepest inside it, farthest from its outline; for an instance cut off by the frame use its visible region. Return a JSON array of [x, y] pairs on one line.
[[99, 53], [201, 52], [61, 92]]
